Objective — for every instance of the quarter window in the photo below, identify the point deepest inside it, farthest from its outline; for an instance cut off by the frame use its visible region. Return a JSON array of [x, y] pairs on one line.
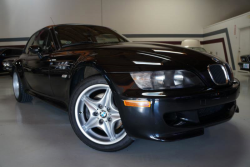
[[42, 39], [31, 41]]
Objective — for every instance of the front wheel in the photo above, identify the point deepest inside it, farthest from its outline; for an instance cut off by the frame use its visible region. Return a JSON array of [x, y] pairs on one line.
[[20, 95], [95, 118]]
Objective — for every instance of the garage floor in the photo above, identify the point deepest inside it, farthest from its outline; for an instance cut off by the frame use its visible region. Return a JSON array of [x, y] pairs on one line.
[[38, 134]]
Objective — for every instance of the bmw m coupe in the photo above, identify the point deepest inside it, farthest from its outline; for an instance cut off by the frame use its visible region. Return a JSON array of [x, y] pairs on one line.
[[116, 91]]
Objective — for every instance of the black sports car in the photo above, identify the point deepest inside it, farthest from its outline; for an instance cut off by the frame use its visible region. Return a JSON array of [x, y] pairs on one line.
[[7, 56], [116, 90], [245, 63]]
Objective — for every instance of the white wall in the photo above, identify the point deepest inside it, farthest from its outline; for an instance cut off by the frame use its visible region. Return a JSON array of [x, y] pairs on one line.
[[168, 16], [20, 18], [244, 41], [233, 25], [216, 49]]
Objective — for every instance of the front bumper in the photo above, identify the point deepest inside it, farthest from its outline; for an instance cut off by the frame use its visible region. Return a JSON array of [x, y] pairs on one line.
[[7, 68], [179, 114]]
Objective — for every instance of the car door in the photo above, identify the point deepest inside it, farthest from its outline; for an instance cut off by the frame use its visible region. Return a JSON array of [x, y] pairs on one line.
[[36, 68], [60, 73]]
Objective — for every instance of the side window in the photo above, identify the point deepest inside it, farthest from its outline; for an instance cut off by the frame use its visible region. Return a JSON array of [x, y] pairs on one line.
[[41, 38], [44, 40], [31, 41]]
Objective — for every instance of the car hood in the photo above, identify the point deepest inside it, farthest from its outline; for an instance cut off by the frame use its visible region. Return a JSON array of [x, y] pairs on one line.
[[139, 56], [11, 58], [147, 55]]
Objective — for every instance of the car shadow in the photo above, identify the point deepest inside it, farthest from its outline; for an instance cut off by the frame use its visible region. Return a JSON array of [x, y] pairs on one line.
[[221, 145], [40, 112]]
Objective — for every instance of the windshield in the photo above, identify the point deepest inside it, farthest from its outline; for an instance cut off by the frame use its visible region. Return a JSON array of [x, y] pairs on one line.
[[199, 49], [84, 34]]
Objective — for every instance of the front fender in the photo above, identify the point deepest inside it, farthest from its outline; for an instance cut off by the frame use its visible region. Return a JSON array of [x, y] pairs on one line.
[[87, 69]]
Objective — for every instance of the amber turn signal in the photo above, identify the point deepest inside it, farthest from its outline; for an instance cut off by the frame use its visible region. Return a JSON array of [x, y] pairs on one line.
[[136, 103]]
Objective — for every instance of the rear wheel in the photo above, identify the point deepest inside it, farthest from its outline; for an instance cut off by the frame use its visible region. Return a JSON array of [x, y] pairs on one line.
[[94, 117], [20, 94]]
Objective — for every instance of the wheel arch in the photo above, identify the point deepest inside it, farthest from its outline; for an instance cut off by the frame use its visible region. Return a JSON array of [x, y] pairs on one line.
[[85, 70], [17, 66]]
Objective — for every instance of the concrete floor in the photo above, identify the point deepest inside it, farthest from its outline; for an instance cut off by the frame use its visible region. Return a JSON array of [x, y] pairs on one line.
[[38, 134]]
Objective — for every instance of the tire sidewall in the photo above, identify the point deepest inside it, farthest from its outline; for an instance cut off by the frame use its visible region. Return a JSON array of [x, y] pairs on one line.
[[19, 99], [126, 141]]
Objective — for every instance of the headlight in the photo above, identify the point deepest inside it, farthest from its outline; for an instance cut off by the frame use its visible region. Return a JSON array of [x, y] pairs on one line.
[[171, 79], [5, 64]]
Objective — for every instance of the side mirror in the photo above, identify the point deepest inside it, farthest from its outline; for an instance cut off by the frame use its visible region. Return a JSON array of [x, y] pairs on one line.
[[36, 50]]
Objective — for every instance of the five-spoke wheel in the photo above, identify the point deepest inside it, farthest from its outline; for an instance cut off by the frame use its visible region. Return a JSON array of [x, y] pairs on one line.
[[95, 118], [95, 111]]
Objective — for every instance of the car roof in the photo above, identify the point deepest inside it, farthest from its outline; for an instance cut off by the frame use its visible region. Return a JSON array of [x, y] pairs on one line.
[[78, 24]]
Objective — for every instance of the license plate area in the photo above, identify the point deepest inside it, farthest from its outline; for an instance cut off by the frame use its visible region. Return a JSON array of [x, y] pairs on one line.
[[246, 66]]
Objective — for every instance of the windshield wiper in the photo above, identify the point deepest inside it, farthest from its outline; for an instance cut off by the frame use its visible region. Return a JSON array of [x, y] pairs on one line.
[[79, 43]]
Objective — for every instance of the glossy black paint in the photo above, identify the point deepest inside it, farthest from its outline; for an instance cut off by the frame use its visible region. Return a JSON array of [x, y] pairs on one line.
[[48, 78], [8, 55], [10, 61], [151, 121]]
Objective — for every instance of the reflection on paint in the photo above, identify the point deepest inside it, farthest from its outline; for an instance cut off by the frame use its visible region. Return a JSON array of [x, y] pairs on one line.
[[167, 51], [147, 63]]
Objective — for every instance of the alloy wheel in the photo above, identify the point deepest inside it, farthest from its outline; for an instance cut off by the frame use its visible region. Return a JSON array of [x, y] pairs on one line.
[[97, 117], [16, 85]]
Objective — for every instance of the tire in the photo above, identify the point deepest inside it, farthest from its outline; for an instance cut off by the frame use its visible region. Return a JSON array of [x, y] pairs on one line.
[[95, 119], [20, 95]]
